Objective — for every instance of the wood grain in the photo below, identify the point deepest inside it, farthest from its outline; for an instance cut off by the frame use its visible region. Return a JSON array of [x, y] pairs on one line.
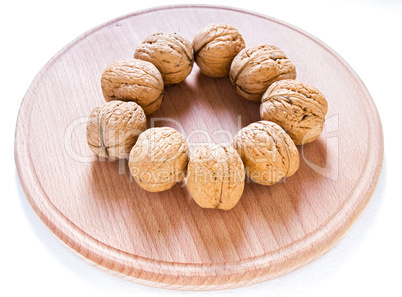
[[164, 239]]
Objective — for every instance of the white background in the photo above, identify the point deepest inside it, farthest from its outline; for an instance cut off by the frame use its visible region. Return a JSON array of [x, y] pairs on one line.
[[367, 34]]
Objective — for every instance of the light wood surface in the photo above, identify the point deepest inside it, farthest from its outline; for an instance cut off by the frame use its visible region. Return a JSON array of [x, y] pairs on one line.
[[165, 239]]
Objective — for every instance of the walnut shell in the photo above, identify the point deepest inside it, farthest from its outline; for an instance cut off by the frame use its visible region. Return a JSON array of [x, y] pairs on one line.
[[268, 153], [297, 107], [133, 80], [215, 46], [215, 176], [159, 159], [113, 128], [170, 53], [254, 69]]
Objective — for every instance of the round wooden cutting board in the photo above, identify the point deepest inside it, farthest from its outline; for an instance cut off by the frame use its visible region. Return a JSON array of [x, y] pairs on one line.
[[165, 239]]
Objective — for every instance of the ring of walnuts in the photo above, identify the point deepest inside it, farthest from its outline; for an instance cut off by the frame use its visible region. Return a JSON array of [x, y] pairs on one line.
[[292, 113]]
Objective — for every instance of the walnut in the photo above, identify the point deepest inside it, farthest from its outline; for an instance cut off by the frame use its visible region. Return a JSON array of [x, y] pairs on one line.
[[215, 46], [215, 176], [268, 153], [170, 53], [159, 159], [113, 128], [133, 80], [297, 107], [254, 69]]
